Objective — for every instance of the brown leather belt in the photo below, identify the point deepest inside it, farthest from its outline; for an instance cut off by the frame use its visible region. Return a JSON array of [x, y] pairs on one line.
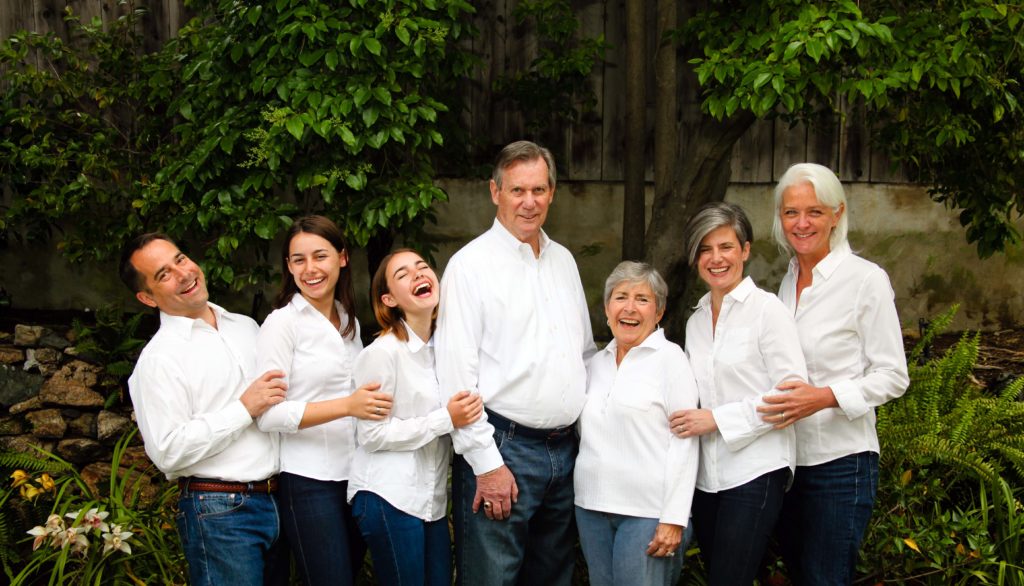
[[193, 484]]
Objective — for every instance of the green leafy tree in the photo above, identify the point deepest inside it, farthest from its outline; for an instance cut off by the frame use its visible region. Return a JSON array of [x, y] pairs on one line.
[[940, 83], [255, 112], [293, 106]]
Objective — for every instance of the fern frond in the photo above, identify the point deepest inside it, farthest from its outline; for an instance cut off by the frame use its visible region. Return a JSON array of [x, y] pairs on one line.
[[31, 462]]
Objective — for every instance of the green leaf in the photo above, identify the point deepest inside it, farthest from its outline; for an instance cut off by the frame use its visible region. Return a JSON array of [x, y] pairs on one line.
[[295, 126], [266, 227], [403, 34], [761, 79], [331, 59], [372, 45]]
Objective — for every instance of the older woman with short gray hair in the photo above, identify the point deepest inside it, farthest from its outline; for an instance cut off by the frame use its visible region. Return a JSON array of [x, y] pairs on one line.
[[634, 479], [741, 344]]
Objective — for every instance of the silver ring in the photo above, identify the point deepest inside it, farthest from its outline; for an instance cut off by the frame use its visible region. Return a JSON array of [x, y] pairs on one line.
[[487, 504], [378, 410], [783, 415], [671, 554]]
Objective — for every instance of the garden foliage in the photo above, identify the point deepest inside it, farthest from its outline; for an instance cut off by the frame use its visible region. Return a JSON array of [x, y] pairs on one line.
[[255, 112], [950, 488]]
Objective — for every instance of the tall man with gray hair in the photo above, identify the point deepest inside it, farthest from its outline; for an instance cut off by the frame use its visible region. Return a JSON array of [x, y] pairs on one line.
[[514, 327]]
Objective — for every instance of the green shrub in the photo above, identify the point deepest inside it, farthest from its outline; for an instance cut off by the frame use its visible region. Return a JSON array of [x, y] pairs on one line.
[[949, 499]]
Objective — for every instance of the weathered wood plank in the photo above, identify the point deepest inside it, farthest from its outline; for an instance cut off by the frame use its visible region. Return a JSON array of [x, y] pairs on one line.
[[854, 152], [752, 155], [789, 146], [584, 144], [613, 138]]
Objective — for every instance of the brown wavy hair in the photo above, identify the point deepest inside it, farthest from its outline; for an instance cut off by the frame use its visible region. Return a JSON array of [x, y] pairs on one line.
[[390, 318], [343, 291]]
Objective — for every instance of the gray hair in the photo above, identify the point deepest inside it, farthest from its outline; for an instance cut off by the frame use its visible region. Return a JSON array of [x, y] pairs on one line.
[[637, 272], [521, 151], [712, 216], [827, 189]]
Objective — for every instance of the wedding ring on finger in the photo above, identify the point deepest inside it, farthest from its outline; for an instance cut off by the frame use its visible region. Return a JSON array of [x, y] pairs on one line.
[[378, 410], [487, 504], [670, 554], [783, 415]]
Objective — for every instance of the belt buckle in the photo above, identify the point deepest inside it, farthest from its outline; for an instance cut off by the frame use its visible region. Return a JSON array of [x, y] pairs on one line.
[[269, 480]]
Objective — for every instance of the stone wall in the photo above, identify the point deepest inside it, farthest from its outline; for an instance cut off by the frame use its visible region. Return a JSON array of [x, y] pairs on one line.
[[54, 399]]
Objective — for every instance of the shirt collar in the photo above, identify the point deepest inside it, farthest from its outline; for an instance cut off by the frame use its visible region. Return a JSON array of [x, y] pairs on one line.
[[301, 304], [414, 343], [654, 341], [827, 265], [182, 326], [509, 240], [739, 293]]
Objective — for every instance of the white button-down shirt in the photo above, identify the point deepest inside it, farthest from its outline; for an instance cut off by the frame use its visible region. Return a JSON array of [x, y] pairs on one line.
[[515, 328], [186, 388], [404, 458], [630, 462], [317, 363], [753, 348], [852, 341]]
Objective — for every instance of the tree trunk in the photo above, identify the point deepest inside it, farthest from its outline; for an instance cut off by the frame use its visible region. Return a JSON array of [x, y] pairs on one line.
[[666, 109], [701, 175]]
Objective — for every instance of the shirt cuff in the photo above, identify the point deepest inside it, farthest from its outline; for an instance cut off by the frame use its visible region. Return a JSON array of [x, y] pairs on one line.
[[440, 422], [237, 416], [850, 400], [485, 460], [733, 425]]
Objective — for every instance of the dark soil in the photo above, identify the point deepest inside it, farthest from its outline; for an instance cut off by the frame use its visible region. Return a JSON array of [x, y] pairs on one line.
[[1000, 355]]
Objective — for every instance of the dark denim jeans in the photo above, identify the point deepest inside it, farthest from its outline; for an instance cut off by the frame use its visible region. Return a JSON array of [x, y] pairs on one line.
[[824, 516], [321, 532], [615, 547], [535, 545], [231, 538], [733, 526], [406, 550]]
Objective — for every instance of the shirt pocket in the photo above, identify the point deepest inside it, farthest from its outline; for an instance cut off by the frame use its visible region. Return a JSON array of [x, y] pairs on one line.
[[735, 345]]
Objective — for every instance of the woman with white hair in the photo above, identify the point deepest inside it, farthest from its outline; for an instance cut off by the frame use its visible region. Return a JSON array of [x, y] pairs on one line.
[[742, 343], [633, 478], [846, 317]]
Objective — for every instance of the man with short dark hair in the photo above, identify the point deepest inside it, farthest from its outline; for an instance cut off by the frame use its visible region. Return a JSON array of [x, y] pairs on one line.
[[514, 327], [196, 397]]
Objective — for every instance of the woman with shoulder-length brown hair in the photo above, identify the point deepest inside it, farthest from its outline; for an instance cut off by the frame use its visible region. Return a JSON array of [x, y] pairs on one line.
[[313, 336], [399, 485]]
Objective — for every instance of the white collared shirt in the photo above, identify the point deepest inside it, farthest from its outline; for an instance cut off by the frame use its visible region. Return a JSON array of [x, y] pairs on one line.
[[186, 387], [404, 458], [753, 348], [515, 328], [852, 341], [317, 363], [630, 462]]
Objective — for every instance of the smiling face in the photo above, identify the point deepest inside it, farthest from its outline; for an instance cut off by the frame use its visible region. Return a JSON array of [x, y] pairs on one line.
[[315, 264], [412, 284], [632, 312], [523, 199], [806, 222], [720, 259], [172, 282]]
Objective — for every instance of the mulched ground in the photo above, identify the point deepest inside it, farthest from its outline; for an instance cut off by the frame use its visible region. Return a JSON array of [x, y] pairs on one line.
[[1000, 355]]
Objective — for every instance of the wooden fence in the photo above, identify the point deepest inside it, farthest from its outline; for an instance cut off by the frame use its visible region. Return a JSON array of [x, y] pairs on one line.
[[592, 150]]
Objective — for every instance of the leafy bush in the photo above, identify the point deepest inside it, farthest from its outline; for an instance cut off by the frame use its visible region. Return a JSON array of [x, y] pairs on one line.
[[949, 500], [255, 112]]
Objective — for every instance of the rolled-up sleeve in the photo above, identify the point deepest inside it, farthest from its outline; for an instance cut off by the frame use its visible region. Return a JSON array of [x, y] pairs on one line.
[[394, 434], [458, 338], [885, 365], [681, 462], [275, 347]]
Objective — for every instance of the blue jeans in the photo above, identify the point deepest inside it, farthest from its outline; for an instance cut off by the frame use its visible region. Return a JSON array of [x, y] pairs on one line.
[[406, 550], [321, 533], [824, 516], [615, 547], [534, 545], [733, 526], [230, 538]]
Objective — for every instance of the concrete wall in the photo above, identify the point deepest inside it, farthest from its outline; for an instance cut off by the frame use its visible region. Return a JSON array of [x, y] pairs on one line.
[[919, 243]]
